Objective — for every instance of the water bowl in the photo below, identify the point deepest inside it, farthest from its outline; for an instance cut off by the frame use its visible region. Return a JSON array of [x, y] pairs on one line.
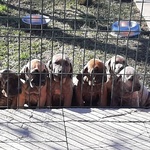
[[36, 20], [125, 29]]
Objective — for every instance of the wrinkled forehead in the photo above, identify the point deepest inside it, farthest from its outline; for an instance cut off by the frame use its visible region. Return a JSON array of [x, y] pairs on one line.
[[119, 59], [95, 63], [36, 66], [60, 58], [128, 71]]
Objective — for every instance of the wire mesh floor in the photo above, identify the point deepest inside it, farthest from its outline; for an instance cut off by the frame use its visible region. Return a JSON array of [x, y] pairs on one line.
[[75, 129]]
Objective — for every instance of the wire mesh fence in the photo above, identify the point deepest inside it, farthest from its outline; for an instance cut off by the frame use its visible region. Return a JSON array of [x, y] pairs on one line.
[[73, 53]]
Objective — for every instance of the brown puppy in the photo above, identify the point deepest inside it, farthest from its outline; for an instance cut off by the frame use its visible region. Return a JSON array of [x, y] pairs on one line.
[[60, 85], [124, 89], [34, 91], [10, 87], [113, 66], [143, 96], [89, 86]]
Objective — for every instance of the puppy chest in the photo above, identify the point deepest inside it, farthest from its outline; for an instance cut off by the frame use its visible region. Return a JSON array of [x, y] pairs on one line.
[[6, 101], [57, 94], [90, 90], [90, 93], [33, 95], [60, 90]]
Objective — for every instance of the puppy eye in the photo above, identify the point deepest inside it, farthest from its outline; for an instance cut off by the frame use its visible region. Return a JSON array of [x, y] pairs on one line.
[[131, 79], [124, 62], [66, 64], [56, 63], [96, 69], [117, 62], [44, 71]]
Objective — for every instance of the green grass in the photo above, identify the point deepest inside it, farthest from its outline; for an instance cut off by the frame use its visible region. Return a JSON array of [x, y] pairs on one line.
[[3, 8]]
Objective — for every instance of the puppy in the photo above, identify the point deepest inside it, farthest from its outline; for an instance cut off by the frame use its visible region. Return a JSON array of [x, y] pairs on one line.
[[114, 65], [124, 88], [10, 88], [89, 86], [60, 85], [35, 76], [143, 96]]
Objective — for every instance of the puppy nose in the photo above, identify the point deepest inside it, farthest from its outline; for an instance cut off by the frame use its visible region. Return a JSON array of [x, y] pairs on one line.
[[138, 87], [60, 69]]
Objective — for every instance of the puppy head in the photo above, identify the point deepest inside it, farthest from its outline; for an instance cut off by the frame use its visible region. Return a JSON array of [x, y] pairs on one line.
[[10, 83], [35, 72], [115, 64], [94, 72], [129, 79], [60, 67]]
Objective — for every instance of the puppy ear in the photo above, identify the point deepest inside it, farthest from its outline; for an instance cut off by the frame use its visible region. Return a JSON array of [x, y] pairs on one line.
[[108, 68], [131, 77], [46, 69], [23, 72], [71, 70], [85, 69], [49, 66], [79, 77]]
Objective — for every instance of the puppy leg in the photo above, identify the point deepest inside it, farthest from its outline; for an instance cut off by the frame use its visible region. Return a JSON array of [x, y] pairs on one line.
[[144, 96], [14, 103], [103, 96], [43, 97], [48, 94], [135, 101], [78, 95], [48, 99], [21, 100], [68, 99], [41, 101]]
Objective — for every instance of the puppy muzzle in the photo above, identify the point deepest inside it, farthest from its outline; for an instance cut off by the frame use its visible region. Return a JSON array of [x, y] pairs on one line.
[[61, 79], [34, 83], [37, 80], [92, 81], [118, 68]]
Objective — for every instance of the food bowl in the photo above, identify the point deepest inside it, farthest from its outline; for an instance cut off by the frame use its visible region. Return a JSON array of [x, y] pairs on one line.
[[36, 20], [125, 29]]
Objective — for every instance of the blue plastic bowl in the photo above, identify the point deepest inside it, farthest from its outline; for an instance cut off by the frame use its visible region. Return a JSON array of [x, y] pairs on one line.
[[125, 28], [36, 20]]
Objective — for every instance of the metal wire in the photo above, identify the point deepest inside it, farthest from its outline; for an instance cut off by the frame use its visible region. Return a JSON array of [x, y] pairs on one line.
[[82, 32]]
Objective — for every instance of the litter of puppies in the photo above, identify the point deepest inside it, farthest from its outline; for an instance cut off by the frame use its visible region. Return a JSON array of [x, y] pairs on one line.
[[99, 84]]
